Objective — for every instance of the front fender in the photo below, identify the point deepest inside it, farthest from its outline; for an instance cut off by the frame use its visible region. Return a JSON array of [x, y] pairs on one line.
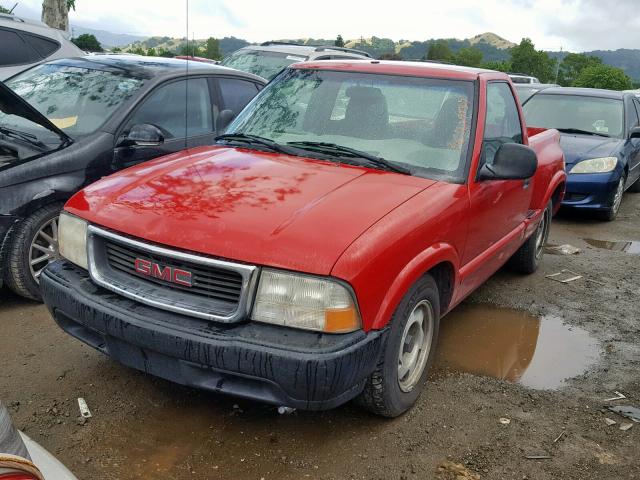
[[416, 268]]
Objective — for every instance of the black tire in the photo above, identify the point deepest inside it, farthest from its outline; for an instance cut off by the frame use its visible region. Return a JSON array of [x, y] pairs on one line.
[[610, 214], [528, 257], [18, 274], [382, 393]]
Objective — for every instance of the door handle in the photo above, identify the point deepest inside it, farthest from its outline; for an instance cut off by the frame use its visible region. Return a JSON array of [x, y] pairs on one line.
[[526, 183]]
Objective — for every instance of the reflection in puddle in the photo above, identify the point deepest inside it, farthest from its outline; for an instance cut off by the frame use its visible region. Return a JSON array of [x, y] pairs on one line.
[[629, 247], [514, 346]]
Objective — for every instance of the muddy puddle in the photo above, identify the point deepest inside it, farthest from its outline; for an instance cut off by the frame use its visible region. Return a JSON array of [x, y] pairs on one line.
[[627, 247], [512, 345]]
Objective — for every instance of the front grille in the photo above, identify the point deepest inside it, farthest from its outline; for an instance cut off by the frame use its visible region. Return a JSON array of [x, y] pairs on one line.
[[209, 282], [218, 289]]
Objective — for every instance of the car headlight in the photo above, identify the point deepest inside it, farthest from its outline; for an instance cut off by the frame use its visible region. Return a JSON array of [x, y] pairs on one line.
[[72, 239], [306, 302], [596, 165]]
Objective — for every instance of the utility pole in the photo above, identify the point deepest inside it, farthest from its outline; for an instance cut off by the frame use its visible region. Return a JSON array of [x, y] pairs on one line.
[[55, 14], [558, 66]]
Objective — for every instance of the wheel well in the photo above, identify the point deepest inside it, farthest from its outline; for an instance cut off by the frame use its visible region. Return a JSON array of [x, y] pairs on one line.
[[444, 276], [555, 198]]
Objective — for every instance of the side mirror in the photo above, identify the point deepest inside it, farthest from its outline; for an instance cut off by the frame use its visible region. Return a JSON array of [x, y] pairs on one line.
[[144, 135], [634, 132], [511, 162], [224, 119]]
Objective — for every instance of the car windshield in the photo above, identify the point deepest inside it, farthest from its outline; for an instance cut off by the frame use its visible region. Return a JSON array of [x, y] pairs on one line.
[[261, 62], [76, 100], [422, 124], [600, 116]]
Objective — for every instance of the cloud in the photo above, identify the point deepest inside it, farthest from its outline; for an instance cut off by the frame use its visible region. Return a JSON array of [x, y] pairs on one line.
[[575, 25]]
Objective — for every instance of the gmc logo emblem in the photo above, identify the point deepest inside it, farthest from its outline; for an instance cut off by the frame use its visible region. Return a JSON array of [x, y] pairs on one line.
[[166, 273]]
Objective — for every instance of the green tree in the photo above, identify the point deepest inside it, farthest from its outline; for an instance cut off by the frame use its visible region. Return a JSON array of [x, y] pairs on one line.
[[3, 10], [603, 76], [339, 42], [138, 51], [469, 57], [165, 53], [212, 49], [572, 65], [88, 43], [151, 52], [116, 50], [439, 51], [390, 56], [529, 61], [499, 66], [189, 49]]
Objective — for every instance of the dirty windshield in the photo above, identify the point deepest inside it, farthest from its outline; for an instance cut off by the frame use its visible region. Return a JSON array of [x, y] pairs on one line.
[[600, 116], [76, 100], [421, 124], [261, 62]]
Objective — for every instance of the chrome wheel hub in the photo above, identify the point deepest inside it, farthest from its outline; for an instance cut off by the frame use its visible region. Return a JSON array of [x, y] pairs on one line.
[[415, 345], [44, 248], [542, 233]]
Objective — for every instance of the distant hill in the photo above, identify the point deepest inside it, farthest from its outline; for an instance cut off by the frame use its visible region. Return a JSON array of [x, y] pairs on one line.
[[492, 39], [107, 39], [493, 47]]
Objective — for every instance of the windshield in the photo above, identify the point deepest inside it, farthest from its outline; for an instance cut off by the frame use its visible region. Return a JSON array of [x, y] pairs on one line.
[[422, 124], [261, 62], [601, 116], [76, 100]]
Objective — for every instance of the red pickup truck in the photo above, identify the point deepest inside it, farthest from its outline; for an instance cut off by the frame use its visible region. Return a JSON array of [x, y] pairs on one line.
[[307, 258]]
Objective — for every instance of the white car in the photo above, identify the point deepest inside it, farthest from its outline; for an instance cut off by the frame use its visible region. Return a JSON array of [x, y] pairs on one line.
[[24, 43], [23, 459]]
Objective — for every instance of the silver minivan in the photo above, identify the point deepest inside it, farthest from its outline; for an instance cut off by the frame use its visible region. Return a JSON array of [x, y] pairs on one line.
[[24, 43]]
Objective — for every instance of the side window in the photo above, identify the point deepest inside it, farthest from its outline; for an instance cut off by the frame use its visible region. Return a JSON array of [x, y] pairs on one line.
[[502, 124], [43, 46], [165, 108], [236, 93], [636, 103], [13, 50]]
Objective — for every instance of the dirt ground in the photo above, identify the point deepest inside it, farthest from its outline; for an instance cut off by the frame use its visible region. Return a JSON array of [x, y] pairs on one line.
[[589, 330]]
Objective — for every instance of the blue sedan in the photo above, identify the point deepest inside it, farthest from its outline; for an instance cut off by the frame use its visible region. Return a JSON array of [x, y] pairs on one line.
[[600, 137]]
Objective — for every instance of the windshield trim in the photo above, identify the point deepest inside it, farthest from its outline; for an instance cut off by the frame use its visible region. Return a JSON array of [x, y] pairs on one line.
[[421, 172]]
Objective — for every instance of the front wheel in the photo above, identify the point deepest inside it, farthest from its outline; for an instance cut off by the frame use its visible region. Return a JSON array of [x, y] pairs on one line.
[[611, 213], [400, 376], [34, 245], [528, 257]]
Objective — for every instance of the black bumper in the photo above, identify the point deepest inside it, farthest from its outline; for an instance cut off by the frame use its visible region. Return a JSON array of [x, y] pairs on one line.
[[6, 224], [272, 364]]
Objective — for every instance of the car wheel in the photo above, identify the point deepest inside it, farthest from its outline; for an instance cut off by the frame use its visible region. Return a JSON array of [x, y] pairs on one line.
[[401, 373], [34, 244], [611, 213], [528, 257]]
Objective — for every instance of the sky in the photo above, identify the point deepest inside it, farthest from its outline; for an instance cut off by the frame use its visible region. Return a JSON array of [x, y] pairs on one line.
[[573, 25]]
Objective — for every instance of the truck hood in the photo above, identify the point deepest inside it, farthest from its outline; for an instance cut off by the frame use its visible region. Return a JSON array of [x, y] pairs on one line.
[[581, 147], [254, 207]]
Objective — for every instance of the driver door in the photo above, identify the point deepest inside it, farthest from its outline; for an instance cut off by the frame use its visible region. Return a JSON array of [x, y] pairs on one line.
[[498, 207], [183, 110]]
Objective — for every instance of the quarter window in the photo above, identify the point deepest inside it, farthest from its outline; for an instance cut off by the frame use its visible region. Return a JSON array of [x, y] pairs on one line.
[[502, 124], [179, 109], [13, 50], [43, 46]]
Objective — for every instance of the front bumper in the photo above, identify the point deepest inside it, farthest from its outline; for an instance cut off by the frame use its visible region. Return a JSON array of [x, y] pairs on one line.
[[591, 190], [6, 224], [281, 366]]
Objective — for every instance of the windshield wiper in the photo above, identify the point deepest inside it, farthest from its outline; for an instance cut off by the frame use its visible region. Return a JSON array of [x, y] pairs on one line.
[[256, 140], [334, 149], [26, 137], [585, 132]]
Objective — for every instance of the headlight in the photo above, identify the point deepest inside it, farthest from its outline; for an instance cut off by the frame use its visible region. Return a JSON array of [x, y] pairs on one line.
[[596, 165], [306, 302], [72, 239]]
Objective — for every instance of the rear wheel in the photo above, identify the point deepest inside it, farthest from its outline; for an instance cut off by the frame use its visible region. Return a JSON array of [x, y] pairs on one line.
[[611, 213], [527, 258], [400, 376], [34, 245]]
